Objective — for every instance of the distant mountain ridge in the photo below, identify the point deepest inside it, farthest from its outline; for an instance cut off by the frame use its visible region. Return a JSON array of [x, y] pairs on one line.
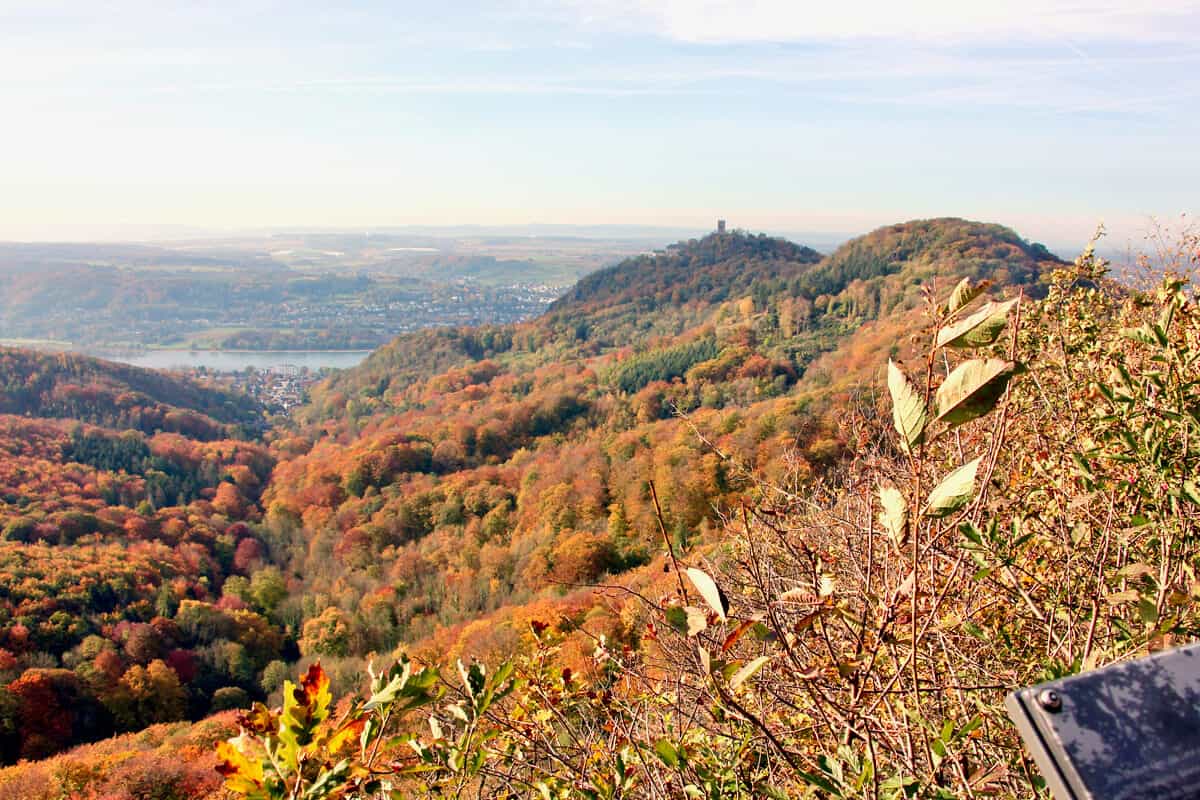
[[720, 265]]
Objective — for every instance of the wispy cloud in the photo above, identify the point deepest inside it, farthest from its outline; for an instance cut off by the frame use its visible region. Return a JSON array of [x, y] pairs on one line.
[[1063, 79], [714, 21]]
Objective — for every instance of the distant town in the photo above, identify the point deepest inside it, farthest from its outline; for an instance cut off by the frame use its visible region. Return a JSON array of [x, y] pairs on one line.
[[279, 389], [280, 292]]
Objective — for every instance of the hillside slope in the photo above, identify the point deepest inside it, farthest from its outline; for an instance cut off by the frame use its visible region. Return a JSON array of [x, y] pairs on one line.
[[459, 471], [642, 297], [86, 389], [124, 503]]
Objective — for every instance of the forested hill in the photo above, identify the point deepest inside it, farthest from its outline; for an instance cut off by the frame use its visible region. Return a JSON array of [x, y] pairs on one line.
[[718, 267], [802, 304], [125, 499], [729, 266], [71, 386], [920, 249], [626, 304]]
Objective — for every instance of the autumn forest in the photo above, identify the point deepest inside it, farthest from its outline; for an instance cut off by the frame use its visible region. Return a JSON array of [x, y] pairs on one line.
[[688, 532]]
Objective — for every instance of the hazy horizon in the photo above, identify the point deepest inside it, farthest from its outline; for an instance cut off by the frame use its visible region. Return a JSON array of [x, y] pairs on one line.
[[1132, 239]]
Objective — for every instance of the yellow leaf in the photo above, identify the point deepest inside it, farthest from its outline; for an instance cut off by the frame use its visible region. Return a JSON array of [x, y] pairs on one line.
[[1137, 570], [973, 389], [347, 733], [955, 490], [241, 774], [797, 595], [964, 293]]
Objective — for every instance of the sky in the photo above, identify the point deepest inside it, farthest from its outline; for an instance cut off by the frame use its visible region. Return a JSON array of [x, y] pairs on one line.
[[780, 115]]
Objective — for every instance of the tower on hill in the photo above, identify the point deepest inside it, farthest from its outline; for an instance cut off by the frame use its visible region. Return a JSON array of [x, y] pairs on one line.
[[720, 226]]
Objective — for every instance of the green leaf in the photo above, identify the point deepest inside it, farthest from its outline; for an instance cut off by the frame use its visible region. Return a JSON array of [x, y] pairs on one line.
[[498, 687], [973, 389], [1083, 465], [677, 618], [667, 753], [908, 409], [1145, 335], [389, 692], [955, 490], [965, 730], [1191, 490], [893, 515], [473, 677], [978, 330], [328, 780], [899, 786], [746, 672], [820, 782], [964, 293], [762, 632], [709, 590]]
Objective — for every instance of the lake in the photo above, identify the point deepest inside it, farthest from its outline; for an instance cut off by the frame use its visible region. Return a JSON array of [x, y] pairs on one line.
[[234, 360]]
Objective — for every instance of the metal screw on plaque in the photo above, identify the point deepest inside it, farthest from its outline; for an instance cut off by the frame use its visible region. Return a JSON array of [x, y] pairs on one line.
[[1050, 700]]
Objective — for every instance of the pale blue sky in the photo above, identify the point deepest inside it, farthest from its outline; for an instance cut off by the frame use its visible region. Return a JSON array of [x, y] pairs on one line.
[[1049, 117]]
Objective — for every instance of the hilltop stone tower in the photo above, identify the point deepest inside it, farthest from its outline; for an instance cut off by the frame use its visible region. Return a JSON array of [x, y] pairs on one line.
[[720, 226]]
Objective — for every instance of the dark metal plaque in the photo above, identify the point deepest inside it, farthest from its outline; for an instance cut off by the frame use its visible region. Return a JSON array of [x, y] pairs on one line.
[[1130, 731]]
